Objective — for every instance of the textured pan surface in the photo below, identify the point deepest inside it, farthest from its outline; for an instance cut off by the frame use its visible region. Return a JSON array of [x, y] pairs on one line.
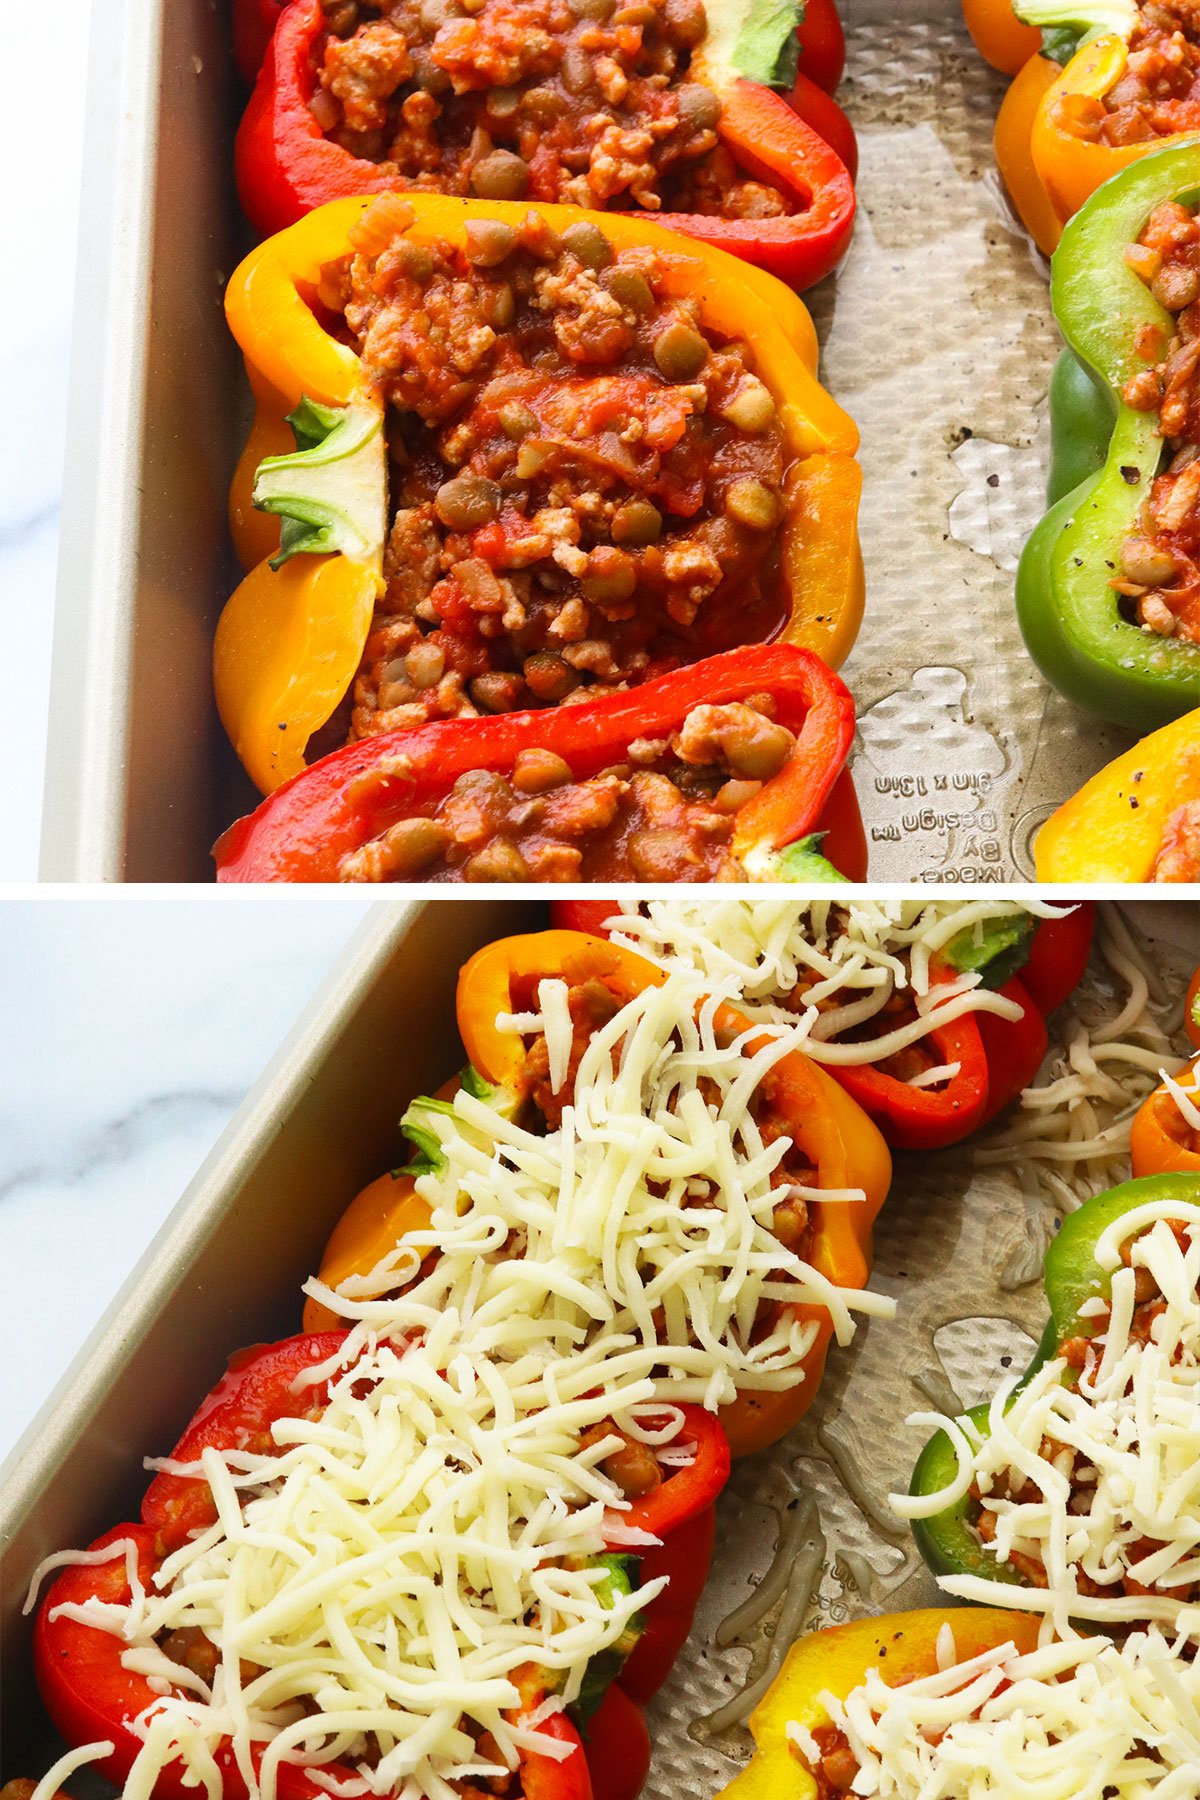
[[938, 338], [226, 1269]]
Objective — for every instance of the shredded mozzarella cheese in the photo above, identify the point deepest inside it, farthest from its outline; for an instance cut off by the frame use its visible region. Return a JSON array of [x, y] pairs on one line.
[[844, 959], [395, 1560], [374, 1585], [637, 1237], [1080, 1721], [1098, 1478]]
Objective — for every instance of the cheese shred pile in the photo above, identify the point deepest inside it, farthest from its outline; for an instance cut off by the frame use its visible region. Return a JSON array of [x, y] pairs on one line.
[[639, 1232], [1084, 1720], [1095, 1472], [823, 968], [378, 1575]]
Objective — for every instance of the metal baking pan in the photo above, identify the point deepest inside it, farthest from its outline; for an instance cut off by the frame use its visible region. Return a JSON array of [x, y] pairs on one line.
[[962, 750], [226, 1269]]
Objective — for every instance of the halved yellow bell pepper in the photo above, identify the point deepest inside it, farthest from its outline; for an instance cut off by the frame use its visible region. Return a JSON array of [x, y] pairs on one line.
[[1114, 828], [290, 640], [902, 1646]]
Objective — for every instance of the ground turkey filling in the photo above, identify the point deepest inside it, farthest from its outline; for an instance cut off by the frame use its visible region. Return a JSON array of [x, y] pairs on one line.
[[592, 1005], [1074, 1352], [1159, 576], [1160, 563], [900, 1008], [1159, 91], [587, 103], [665, 813], [587, 489]]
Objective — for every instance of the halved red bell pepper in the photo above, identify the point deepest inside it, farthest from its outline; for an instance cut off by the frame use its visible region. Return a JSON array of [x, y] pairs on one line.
[[91, 1698], [307, 827], [997, 1057], [254, 23], [1058, 956], [910, 1118], [617, 1747], [258, 1388], [822, 44], [286, 166], [681, 1513], [820, 40]]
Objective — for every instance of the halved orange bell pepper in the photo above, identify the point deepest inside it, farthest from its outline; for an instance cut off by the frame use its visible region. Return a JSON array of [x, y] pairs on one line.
[[1049, 162], [290, 640], [1161, 1141], [902, 1646], [1120, 823], [1072, 167], [1013, 141], [999, 36], [827, 1125]]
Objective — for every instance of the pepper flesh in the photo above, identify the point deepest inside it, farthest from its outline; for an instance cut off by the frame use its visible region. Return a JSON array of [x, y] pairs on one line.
[[902, 1646], [1068, 611], [1114, 828], [289, 641], [1161, 1142], [286, 166], [825, 1123], [305, 830], [1013, 143], [1072, 1278]]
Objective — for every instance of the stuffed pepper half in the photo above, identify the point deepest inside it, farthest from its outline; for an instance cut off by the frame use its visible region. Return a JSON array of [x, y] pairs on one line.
[[1075, 1493], [931, 1014], [730, 770], [942, 1703], [1098, 84], [1108, 590], [539, 457], [382, 1567], [663, 107], [710, 1193]]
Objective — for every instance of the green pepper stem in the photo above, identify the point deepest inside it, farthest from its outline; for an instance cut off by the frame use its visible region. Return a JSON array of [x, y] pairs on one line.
[[1091, 18]]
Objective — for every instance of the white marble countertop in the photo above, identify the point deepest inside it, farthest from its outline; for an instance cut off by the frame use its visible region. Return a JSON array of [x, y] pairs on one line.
[[133, 1028], [40, 220]]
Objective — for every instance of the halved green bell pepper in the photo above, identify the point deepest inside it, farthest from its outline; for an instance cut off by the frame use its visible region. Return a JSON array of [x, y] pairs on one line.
[[1069, 614], [1071, 1277]]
